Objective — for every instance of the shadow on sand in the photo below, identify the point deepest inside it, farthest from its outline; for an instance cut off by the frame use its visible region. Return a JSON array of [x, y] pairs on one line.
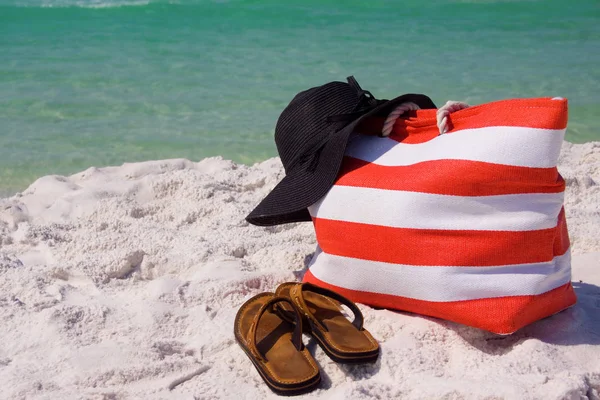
[[579, 324]]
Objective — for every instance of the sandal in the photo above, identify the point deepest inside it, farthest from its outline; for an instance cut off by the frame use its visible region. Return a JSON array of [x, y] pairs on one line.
[[344, 341], [274, 345]]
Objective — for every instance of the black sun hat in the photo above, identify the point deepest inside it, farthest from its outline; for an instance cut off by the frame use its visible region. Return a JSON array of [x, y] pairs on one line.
[[311, 137]]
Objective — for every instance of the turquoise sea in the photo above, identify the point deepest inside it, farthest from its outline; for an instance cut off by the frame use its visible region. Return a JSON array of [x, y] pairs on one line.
[[102, 82]]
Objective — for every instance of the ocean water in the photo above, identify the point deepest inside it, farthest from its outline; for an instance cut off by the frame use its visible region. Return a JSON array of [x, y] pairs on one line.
[[102, 82]]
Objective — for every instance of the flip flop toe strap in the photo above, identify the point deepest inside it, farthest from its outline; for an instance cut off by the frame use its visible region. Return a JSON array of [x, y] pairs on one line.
[[298, 298], [296, 335]]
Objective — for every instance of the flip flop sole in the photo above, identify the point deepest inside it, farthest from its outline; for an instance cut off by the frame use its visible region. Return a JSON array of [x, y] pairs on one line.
[[347, 358], [283, 390], [369, 356], [280, 388]]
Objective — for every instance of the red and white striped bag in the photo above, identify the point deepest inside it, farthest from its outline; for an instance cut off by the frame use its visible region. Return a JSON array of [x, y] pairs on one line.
[[467, 226]]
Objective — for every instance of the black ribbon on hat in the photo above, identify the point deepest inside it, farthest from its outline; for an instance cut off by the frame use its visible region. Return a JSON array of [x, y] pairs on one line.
[[366, 103]]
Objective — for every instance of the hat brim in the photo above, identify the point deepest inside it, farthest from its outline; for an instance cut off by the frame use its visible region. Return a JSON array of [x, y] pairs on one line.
[[303, 186]]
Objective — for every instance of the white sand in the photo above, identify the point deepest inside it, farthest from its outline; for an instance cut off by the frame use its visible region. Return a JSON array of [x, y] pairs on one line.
[[123, 283]]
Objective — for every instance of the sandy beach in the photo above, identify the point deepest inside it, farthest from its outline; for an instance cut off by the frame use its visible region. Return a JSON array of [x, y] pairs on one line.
[[123, 283]]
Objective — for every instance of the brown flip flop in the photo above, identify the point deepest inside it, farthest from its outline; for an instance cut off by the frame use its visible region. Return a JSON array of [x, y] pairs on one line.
[[344, 341], [274, 345]]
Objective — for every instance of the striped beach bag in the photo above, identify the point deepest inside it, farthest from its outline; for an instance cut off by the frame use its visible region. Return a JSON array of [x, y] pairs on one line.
[[466, 226]]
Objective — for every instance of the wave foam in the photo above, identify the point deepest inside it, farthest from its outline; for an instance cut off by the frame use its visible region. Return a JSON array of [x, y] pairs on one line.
[[86, 3]]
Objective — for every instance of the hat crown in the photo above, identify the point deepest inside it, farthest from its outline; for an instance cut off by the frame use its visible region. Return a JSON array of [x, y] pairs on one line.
[[305, 122]]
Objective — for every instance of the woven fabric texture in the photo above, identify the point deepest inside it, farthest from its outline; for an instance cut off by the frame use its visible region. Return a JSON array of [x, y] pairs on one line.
[[467, 226]]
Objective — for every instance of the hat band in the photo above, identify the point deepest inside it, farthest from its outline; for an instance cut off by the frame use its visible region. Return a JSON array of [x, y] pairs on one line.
[[362, 94]]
